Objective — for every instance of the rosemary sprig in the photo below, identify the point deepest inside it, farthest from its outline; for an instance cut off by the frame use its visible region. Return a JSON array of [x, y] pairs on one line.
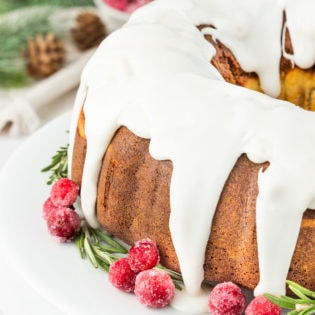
[[58, 166], [102, 250], [302, 304], [98, 247]]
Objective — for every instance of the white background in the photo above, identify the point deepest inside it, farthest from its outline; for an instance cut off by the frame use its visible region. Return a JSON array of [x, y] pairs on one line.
[[17, 297]]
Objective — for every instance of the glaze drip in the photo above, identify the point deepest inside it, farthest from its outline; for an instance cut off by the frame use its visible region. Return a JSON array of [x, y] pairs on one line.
[[154, 76]]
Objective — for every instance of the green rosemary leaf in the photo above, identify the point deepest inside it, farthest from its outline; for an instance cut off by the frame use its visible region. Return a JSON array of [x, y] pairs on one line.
[[303, 298], [110, 241], [281, 301], [104, 256], [300, 288], [102, 263], [104, 266], [58, 166], [178, 285], [289, 299], [51, 166], [302, 304], [107, 248], [89, 252], [79, 243], [308, 311], [92, 235]]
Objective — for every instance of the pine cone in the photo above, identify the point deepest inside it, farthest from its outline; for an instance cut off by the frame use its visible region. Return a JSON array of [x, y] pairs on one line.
[[89, 31], [45, 55]]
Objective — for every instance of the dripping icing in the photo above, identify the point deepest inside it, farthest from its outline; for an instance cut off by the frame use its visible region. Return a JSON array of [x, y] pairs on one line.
[[175, 96]]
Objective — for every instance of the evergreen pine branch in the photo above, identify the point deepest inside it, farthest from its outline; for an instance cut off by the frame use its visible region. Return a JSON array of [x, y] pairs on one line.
[[19, 26], [7, 5], [13, 38]]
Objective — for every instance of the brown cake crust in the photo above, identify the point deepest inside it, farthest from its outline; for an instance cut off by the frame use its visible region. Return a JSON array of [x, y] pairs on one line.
[[133, 192], [133, 203]]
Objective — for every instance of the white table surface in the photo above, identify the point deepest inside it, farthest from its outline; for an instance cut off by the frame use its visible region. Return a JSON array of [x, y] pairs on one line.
[[17, 297]]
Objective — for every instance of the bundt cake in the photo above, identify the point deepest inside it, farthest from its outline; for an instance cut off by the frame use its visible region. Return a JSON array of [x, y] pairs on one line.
[[165, 143]]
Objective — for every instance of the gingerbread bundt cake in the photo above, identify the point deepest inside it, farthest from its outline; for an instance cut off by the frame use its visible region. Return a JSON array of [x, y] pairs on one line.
[[166, 145]]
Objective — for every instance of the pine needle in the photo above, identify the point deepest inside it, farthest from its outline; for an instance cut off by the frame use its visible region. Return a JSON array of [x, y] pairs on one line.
[[14, 34], [9, 5]]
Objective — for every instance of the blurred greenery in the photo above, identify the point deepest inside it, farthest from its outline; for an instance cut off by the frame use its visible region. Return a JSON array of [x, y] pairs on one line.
[[9, 5], [14, 36]]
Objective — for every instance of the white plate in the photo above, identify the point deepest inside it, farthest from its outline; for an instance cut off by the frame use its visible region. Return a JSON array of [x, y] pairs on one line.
[[53, 269]]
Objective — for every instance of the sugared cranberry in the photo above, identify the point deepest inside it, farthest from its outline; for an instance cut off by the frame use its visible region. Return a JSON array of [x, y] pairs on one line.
[[64, 192], [143, 255], [48, 207], [226, 299], [117, 4], [262, 306], [122, 276], [134, 5], [63, 223], [154, 288]]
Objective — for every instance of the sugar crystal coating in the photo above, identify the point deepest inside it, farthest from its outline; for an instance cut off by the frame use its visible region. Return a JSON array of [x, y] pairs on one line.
[[117, 4], [64, 192], [154, 288], [63, 223], [48, 208], [122, 276], [262, 306], [226, 299], [127, 6], [143, 255]]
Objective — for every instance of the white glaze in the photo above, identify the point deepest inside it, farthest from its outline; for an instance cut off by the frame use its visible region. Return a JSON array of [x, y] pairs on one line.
[[154, 76], [191, 304]]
